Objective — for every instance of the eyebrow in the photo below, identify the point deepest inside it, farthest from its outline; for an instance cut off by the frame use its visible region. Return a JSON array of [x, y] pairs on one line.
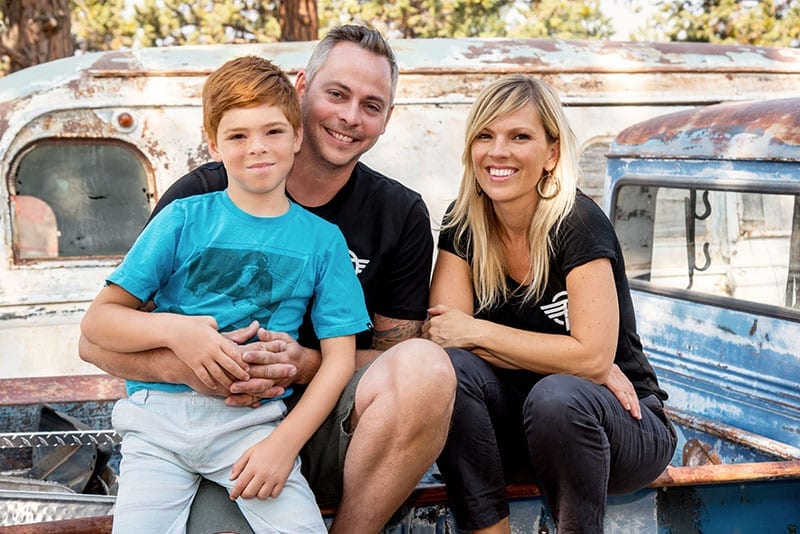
[[271, 124]]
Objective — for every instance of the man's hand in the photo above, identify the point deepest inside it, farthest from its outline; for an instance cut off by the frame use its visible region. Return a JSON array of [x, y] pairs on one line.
[[273, 363], [241, 335]]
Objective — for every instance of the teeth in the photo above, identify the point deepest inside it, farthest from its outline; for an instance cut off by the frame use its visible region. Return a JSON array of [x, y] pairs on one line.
[[501, 173], [342, 138]]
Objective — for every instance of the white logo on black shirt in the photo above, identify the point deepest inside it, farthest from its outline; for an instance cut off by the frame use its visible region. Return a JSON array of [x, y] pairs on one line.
[[557, 311], [358, 264]]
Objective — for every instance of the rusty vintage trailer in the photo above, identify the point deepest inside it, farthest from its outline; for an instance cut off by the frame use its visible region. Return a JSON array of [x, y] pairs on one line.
[[87, 145]]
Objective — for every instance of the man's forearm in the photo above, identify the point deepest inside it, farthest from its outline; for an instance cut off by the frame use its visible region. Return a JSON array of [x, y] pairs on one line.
[[157, 365]]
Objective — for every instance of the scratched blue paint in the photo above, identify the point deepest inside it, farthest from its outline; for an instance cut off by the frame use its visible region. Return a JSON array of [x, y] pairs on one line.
[[727, 360]]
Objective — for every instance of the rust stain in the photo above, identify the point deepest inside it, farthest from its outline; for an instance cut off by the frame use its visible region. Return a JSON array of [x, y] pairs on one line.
[[115, 61], [84, 525], [71, 388], [715, 474], [779, 120]]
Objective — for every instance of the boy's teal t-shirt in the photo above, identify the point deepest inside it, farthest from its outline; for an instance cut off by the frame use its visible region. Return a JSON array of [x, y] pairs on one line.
[[202, 255]]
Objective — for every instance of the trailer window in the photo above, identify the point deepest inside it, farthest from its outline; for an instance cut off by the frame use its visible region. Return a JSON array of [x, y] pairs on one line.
[[726, 243], [77, 199]]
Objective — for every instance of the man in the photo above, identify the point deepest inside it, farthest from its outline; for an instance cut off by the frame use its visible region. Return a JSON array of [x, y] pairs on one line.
[[395, 412]]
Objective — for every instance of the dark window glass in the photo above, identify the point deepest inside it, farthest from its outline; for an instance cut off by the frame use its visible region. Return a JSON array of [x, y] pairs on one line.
[[78, 199]]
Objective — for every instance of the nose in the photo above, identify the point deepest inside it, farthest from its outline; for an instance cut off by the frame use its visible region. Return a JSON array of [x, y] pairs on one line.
[[350, 112], [498, 148], [257, 145]]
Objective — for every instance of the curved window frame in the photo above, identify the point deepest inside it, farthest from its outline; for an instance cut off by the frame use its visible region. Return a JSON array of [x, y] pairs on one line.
[[102, 214]]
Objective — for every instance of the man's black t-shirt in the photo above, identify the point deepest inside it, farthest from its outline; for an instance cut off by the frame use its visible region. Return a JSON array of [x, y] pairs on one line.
[[388, 233], [585, 235]]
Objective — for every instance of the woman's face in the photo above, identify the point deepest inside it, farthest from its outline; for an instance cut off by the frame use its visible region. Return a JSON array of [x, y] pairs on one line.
[[511, 154]]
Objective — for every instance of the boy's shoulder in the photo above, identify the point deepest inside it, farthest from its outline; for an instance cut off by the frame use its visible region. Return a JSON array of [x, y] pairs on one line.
[[187, 206]]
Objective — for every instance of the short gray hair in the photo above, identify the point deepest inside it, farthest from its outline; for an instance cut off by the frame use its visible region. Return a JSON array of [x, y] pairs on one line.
[[366, 38]]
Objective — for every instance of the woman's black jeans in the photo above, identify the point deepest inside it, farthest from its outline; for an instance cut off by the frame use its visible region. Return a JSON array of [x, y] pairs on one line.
[[569, 435]]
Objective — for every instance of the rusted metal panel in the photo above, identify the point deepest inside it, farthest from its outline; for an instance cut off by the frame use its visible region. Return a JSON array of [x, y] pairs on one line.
[[69, 388], [763, 130]]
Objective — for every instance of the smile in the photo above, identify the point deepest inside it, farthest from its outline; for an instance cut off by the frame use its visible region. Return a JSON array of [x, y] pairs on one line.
[[257, 166], [341, 137], [500, 173]]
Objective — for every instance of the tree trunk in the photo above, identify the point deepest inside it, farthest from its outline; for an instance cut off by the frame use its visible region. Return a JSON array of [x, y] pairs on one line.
[[37, 31], [298, 19]]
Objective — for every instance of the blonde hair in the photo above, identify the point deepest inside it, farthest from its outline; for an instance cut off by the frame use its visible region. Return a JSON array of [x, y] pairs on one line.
[[473, 216]]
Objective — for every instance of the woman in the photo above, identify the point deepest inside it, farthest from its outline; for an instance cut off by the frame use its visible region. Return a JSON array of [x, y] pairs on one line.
[[530, 297]]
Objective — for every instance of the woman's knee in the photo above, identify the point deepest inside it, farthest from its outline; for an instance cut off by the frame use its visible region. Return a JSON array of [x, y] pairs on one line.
[[468, 366], [553, 402]]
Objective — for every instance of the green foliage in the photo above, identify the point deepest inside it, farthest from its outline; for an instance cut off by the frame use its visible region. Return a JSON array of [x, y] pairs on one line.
[[419, 18], [564, 20], [113, 24], [471, 18], [757, 22], [96, 25], [175, 22]]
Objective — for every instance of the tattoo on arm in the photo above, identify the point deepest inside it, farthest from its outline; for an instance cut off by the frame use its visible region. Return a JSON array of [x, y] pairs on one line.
[[389, 332]]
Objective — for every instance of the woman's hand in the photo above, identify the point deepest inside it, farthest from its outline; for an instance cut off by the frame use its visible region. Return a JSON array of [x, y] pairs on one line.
[[622, 388], [450, 327]]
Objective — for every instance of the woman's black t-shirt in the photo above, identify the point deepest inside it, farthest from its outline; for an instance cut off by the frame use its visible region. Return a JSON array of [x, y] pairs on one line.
[[585, 235]]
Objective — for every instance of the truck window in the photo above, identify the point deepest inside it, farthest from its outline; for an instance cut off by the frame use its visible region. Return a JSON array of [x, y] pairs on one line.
[[727, 243], [77, 198]]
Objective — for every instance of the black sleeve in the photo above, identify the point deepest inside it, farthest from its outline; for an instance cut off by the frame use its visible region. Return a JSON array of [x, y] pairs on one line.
[[586, 235], [447, 238], [204, 179]]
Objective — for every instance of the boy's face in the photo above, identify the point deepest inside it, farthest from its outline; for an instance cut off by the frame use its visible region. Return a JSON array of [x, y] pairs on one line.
[[347, 105], [257, 146]]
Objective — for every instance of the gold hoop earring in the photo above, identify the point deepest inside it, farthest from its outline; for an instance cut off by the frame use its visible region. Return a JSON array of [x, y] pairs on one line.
[[544, 179]]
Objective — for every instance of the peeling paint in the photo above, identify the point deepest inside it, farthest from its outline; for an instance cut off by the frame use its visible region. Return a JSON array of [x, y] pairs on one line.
[[766, 130]]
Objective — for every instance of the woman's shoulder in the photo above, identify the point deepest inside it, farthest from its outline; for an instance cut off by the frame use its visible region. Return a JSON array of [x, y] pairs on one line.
[[587, 213]]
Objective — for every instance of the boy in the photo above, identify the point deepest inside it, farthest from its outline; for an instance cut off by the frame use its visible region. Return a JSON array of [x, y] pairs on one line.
[[216, 262]]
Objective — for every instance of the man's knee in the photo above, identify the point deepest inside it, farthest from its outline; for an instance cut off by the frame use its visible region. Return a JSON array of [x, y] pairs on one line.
[[415, 365], [421, 366]]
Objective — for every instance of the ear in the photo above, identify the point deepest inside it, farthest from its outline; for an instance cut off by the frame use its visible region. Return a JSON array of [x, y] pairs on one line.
[[386, 122], [300, 83], [554, 152], [298, 139], [214, 150]]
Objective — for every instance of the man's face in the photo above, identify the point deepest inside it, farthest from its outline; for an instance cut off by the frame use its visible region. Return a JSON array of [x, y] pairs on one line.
[[347, 105]]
